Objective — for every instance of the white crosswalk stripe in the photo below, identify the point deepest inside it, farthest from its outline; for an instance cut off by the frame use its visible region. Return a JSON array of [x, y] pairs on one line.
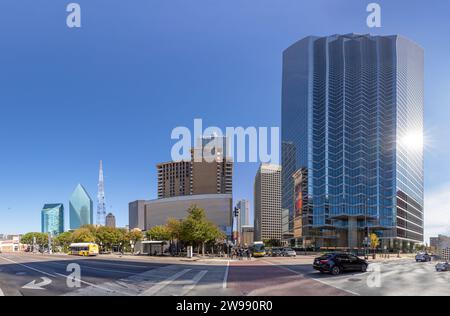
[[187, 288], [159, 286], [1, 292], [167, 280]]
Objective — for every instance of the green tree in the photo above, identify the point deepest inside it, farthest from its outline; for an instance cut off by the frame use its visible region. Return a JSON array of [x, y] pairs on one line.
[[107, 237], [133, 236], [174, 226], [160, 232], [272, 242], [83, 234], [41, 239], [63, 240], [196, 230]]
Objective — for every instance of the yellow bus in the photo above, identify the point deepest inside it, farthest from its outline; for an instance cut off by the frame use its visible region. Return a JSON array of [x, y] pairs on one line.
[[258, 249], [83, 249]]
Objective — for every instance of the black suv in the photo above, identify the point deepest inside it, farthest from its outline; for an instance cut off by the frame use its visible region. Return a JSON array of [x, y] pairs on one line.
[[336, 263]]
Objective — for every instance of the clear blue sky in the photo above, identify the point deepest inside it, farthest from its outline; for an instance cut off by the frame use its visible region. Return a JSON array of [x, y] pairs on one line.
[[116, 88]]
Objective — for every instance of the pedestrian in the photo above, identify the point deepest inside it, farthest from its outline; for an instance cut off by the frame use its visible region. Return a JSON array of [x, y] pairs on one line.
[[249, 254]]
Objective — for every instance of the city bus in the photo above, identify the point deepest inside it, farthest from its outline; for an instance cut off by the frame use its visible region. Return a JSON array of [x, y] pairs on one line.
[[83, 249], [258, 249]]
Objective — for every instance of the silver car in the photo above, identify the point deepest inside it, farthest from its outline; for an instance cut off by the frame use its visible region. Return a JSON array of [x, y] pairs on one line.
[[442, 266], [288, 252]]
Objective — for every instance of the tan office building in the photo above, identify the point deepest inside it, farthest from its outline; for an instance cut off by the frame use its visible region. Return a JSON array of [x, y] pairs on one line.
[[247, 235], [267, 202], [204, 174]]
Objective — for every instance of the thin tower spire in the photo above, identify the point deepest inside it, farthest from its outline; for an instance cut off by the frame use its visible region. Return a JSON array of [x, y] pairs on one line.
[[101, 206]]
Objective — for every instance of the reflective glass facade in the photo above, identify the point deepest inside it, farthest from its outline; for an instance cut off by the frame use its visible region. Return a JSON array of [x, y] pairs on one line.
[[352, 117], [81, 208], [52, 219]]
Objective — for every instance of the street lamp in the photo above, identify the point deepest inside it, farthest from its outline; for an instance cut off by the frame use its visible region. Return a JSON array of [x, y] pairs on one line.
[[236, 215]]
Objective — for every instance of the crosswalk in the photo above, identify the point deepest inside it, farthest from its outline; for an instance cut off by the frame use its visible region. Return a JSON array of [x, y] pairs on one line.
[[169, 280]]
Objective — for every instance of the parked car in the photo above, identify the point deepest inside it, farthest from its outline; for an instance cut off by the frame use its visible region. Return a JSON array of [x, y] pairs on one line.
[[276, 252], [288, 252], [423, 257], [337, 263], [442, 266]]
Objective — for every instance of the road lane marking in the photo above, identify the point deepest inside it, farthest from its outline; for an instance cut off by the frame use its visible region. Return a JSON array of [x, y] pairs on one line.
[[318, 280], [59, 260], [1, 292], [225, 278], [82, 264], [159, 286], [28, 267], [37, 286], [195, 280], [62, 275], [91, 284]]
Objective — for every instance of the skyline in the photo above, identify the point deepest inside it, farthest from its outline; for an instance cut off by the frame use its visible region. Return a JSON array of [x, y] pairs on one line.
[[94, 83]]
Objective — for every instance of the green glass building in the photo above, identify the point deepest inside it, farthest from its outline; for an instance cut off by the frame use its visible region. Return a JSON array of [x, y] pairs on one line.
[[52, 219], [80, 208]]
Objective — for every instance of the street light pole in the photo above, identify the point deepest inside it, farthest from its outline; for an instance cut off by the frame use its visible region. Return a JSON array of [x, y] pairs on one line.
[[236, 216]]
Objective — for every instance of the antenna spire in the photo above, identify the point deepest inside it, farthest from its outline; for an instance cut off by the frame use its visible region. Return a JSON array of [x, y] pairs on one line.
[[101, 206]]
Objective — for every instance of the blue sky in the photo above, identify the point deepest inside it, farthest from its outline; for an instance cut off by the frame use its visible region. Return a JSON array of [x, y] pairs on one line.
[[116, 88]]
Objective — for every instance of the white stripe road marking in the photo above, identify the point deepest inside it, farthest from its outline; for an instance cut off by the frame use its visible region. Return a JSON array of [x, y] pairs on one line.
[[159, 286], [318, 280], [58, 274], [1, 293], [92, 284], [83, 266], [92, 260], [195, 280], [28, 267], [225, 278]]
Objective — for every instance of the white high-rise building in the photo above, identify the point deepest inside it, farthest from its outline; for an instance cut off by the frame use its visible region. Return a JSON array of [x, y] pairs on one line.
[[267, 202]]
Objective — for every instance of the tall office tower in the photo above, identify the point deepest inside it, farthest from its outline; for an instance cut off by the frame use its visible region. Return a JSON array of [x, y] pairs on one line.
[[212, 168], [81, 208], [210, 171], [101, 206], [267, 202], [52, 219], [174, 179], [110, 220], [244, 215], [352, 116]]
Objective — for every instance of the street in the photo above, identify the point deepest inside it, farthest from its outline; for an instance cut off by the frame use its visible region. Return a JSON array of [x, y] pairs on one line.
[[37, 274]]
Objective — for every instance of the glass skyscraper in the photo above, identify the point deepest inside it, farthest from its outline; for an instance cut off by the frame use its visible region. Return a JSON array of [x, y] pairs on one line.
[[81, 208], [52, 219], [352, 120]]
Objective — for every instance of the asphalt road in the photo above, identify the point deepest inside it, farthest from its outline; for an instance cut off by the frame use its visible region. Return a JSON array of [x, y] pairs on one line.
[[36, 274]]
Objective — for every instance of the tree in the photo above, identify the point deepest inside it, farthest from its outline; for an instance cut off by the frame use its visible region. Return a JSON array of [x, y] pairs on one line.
[[174, 226], [63, 240], [133, 237], [160, 232], [272, 242], [40, 238], [374, 243], [108, 237], [196, 230], [83, 234]]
